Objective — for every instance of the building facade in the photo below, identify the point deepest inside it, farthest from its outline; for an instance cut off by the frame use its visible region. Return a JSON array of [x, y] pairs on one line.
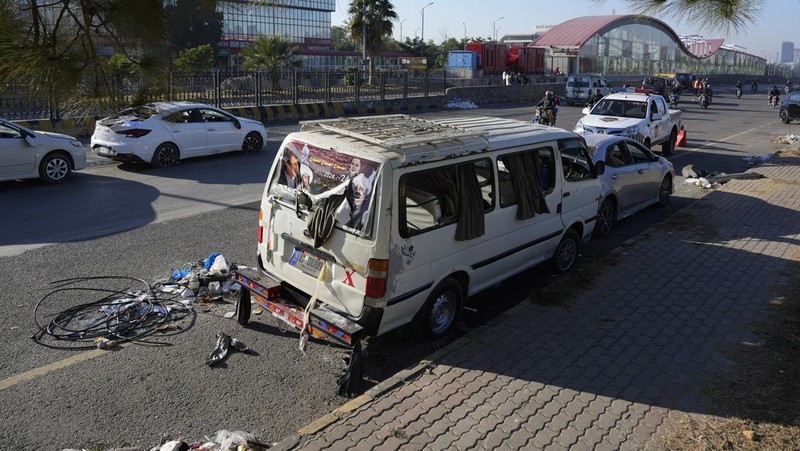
[[787, 52], [640, 45]]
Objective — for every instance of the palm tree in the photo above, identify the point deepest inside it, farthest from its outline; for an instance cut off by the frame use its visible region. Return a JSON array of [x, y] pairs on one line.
[[271, 53], [724, 15], [375, 17], [56, 47]]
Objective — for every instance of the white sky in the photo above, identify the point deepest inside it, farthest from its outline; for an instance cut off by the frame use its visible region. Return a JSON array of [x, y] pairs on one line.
[[777, 22]]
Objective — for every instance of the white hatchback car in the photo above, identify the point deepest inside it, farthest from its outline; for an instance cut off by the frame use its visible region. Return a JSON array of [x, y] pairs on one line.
[[26, 154], [634, 178], [163, 133]]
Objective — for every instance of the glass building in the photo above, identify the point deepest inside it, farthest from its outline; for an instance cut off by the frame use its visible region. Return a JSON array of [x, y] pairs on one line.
[[640, 45]]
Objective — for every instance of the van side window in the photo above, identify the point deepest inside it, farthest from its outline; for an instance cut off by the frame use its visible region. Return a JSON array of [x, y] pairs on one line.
[[575, 160], [434, 198], [524, 178]]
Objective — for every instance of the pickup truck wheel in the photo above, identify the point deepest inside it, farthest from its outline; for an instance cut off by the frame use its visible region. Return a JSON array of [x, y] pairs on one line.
[[665, 191], [243, 307], [668, 146], [605, 219], [567, 251], [784, 114], [440, 312]]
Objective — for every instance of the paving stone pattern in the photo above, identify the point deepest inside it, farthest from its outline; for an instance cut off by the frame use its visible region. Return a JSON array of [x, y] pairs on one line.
[[605, 371]]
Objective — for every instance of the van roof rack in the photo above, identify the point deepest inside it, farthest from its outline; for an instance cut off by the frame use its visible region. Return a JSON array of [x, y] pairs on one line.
[[393, 131]]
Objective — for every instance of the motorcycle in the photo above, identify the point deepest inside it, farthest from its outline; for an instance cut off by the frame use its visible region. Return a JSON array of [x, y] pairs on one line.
[[787, 89], [542, 116], [704, 101], [773, 101], [673, 100], [738, 93]]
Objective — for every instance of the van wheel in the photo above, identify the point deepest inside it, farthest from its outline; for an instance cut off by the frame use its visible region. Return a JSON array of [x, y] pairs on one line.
[[567, 251], [605, 219], [668, 146], [243, 307], [440, 312]]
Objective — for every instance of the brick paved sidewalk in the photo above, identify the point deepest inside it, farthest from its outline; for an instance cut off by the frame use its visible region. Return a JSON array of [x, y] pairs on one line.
[[605, 371]]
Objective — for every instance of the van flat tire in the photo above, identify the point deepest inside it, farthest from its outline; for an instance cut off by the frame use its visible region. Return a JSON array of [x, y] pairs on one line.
[[567, 251], [440, 311], [243, 307]]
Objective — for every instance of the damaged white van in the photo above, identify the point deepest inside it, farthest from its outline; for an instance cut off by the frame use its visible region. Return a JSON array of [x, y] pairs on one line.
[[377, 222]]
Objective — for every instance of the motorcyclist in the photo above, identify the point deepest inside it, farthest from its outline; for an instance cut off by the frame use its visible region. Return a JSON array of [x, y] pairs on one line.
[[706, 91], [774, 92], [596, 97], [675, 91], [788, 85], [549, 106]]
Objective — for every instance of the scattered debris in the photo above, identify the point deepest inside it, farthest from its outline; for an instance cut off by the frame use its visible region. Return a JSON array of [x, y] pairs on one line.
[[460, 104], [224, 344], [790, 140], [715, 179], [753, 160]]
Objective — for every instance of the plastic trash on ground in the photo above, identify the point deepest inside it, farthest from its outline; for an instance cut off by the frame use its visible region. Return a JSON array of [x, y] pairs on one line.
[[224, 344]]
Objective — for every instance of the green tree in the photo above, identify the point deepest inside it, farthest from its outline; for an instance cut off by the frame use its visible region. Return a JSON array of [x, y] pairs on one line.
[[724, 15], [271, 53], [194, 23], [340, 40], [376, 18], [61, 48], [196, 59]]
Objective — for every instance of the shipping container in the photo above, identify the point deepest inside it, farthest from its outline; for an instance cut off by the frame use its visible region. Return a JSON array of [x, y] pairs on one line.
[[492, 56], [526, 60]]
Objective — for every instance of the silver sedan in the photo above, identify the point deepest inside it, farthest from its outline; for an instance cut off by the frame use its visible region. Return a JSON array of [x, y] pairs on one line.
[[634, 178]]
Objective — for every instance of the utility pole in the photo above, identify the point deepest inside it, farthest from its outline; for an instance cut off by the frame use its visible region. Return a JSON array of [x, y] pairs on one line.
[[401, 29], [364, 33], [494, 29]]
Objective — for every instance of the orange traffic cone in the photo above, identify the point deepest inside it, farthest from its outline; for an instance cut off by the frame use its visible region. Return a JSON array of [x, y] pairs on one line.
[[681, 139]]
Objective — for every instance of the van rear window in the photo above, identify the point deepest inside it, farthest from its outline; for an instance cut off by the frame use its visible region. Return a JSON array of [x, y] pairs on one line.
[[320, 173], [578, 82]]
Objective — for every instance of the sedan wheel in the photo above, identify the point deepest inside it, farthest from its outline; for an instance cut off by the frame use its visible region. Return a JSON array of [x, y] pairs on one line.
[[665, 192], [252, 143], [605, 219], [784, 114], [567, 251], [165, 156], [54, 168]]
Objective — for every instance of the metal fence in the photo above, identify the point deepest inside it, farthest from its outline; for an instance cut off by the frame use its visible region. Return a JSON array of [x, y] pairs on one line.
[[18, 101]]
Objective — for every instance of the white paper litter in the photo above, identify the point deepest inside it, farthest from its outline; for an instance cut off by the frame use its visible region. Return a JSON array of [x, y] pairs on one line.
[[460, 104]]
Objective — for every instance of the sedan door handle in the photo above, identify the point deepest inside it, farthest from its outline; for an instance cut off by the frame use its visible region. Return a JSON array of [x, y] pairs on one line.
[[640, 171], [614, 176], [565, 194], [211, 129]]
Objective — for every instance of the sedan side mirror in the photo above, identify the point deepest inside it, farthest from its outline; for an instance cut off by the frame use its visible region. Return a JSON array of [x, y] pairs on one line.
[[237, 124], [586, 110], [30, 139]]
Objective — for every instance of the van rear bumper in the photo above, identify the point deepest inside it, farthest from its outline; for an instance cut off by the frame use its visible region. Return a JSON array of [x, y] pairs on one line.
[[369, 320]]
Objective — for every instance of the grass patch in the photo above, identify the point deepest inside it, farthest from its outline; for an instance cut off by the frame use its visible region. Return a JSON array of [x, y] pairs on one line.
[[760, 393]]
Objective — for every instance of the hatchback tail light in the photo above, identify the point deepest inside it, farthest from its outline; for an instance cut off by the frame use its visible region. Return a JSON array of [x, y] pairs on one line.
[[134, 132]]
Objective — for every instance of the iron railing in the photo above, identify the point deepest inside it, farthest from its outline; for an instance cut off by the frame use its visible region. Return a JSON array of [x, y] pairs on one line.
[[19, 101]]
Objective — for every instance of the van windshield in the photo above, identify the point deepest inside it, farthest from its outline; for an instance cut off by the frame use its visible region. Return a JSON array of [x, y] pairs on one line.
[[321, 173]]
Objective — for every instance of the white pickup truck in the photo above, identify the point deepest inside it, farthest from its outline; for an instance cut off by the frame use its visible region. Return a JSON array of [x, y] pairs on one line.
[[643, 117]]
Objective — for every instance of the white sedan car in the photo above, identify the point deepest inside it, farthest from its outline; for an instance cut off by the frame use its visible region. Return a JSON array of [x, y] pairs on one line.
[[634, 178], [163, 133], [26, 154]]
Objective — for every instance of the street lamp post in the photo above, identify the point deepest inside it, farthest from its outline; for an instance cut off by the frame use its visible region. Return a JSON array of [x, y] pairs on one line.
[[422, 13], [465, 34], [364, 34], [401, 29], [494, 29]]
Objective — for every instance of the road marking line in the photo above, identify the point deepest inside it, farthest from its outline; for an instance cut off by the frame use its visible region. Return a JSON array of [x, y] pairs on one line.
[[723, 139], [52, 367]]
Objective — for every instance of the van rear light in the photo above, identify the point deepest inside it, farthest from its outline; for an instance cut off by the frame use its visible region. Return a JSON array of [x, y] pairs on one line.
[[377, 271], [134, 132], [260, 227]]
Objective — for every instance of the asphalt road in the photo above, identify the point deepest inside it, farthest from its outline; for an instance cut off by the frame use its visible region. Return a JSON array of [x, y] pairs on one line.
[[141, 222]]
